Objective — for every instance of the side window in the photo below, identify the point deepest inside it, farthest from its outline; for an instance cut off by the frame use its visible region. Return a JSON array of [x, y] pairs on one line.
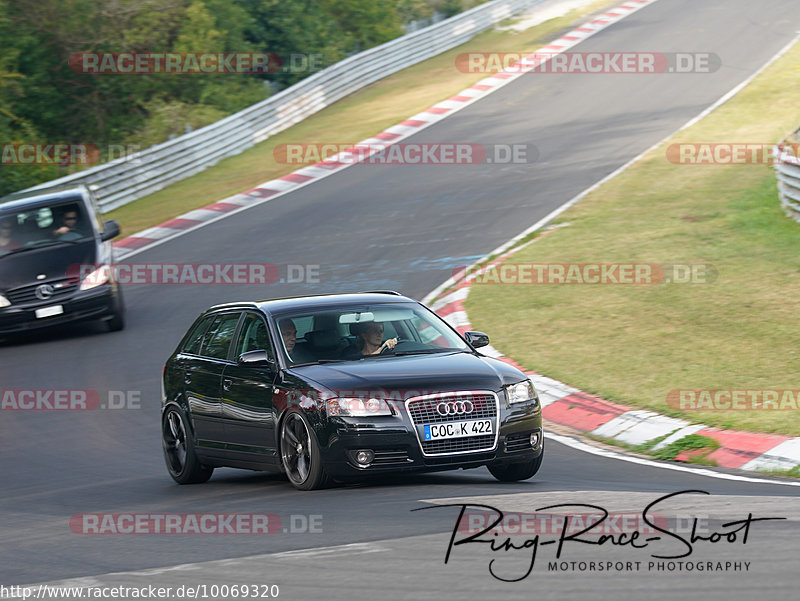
[[389, 330], [427, 333], [219, 336], [253, 336], [304, 325], [195, 338]]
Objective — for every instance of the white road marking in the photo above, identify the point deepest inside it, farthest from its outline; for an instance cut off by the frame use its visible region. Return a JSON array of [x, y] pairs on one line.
[[582, 446]]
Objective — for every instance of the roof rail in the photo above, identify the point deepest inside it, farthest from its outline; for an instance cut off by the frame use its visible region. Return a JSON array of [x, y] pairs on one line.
[[393, 292]]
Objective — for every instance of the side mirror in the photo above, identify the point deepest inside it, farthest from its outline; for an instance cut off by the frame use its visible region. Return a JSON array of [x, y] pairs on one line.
[[110, 230], [477, 339], [256, 359]]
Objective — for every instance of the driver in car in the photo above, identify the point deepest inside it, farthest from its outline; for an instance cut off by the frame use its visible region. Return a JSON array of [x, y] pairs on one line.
[[369, 340], [68, 228]]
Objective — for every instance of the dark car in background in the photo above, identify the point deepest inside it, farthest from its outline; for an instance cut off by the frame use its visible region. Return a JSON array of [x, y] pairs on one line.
[[56, 261], [284, 385]]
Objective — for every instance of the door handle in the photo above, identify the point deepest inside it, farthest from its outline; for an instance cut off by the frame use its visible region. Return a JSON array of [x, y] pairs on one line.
[[226, 384], [187, 378]]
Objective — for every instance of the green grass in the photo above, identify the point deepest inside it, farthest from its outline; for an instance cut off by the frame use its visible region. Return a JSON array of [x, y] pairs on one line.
[[633, 344], [692, 442], [698, 446], [348, 121]]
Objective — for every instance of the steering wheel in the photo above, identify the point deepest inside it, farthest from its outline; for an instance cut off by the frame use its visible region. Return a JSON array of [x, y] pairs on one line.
[[404, 345]]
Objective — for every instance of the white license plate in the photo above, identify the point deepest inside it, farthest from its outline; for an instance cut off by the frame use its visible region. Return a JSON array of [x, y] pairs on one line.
[[49, 311], [475, 427]]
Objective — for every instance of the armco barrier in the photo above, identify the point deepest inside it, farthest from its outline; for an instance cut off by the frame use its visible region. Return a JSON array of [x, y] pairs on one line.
[[121, 181], [787, 167]]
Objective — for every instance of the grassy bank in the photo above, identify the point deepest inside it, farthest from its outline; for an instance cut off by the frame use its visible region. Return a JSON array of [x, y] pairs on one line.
[[635, 344]]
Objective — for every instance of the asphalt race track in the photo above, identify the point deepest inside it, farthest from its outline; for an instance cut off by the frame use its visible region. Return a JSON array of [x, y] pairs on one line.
[[403, 228]]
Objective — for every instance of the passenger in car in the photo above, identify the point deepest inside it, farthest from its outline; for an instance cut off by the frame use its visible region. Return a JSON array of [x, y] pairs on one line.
[[369, 340], [7, 242], [289, 334]]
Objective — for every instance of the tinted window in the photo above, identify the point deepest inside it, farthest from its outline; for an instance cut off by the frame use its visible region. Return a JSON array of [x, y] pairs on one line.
[[342, 332], [218, 338], [66, 222], [195, 338], [253, 336]]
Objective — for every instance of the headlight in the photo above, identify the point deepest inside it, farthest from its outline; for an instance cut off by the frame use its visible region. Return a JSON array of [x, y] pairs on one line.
[[4, 301], [521, 393], [358, 407], [100, 276]]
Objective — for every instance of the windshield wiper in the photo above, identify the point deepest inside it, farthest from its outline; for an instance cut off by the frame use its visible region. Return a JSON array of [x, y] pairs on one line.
[[319, 362], [427, 351], [39, 244]]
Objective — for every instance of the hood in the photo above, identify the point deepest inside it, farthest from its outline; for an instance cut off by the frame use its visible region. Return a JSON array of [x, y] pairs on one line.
[[21, 268], [424, 374]]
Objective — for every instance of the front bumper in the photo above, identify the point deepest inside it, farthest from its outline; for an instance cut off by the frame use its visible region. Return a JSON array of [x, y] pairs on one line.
[[82, 305], [397, 449]]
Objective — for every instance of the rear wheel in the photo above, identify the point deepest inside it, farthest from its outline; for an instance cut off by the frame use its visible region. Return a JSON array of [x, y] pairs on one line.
[[182, 462], [300, 454], [514, 472]]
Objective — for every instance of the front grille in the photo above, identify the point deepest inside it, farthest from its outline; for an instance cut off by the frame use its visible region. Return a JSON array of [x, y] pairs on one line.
[[458, 445], [62, 289], [423, 411]]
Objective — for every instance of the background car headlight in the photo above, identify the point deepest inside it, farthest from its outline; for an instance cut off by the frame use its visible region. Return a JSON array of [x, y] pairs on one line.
[[521, 393], [358, 407], [100, 276], [4, 301]]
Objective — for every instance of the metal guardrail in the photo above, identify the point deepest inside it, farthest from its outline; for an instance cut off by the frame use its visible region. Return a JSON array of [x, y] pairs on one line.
[[126, 179], [787, 168]]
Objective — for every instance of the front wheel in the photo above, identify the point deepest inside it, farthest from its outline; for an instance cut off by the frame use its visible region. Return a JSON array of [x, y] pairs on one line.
[[182, 462], [300, 454], [514, 472], [117, 320]]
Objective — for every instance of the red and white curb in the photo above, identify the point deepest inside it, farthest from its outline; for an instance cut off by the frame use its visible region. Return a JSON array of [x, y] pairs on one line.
[[572, 407], [302, 177]]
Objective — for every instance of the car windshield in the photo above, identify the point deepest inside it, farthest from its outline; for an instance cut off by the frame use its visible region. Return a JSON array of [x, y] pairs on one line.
[[65, 222], [358, 332]]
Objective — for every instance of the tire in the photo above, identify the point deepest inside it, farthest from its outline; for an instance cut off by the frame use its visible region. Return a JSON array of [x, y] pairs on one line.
[[514, 472], [300, 453], [182, 462], [117, 320]]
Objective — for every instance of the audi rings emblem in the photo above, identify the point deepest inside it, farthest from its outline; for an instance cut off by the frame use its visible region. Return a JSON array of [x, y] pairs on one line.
[[44, 291], [454, 408]]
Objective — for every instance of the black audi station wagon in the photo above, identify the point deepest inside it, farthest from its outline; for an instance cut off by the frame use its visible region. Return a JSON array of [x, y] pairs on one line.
[[339, 387]]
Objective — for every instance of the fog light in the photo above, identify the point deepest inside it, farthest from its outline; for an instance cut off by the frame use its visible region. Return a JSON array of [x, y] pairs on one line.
[[364, 457], [534, 439]]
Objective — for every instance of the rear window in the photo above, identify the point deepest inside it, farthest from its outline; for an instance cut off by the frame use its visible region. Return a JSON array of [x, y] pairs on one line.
[[219, 337], [195, 338]]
